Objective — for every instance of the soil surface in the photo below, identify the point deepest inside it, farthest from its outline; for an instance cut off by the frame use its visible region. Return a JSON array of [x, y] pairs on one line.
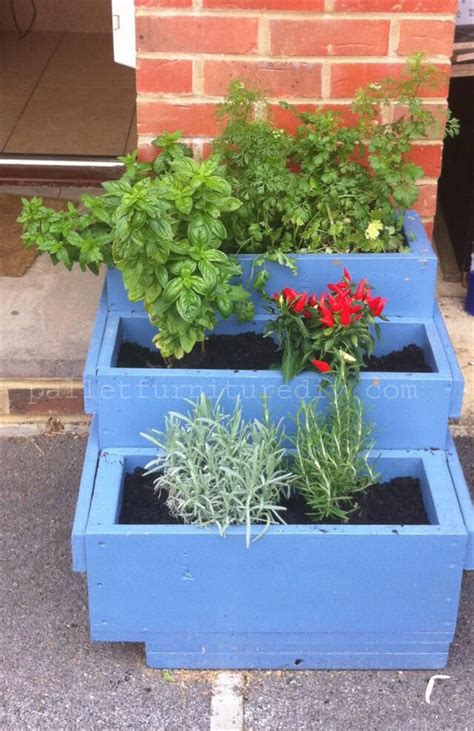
[[411, 359], [398, 502], [252, 351]]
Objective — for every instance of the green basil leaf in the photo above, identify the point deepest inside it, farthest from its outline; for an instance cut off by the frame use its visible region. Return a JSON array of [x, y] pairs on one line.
[[173, 290], [188, 305]]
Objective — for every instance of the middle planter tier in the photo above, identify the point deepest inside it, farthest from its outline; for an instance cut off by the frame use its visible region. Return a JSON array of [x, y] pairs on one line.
[[409, 410]]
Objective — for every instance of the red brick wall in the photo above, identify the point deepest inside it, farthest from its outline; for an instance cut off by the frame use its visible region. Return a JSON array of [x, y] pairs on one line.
[[306, 51]]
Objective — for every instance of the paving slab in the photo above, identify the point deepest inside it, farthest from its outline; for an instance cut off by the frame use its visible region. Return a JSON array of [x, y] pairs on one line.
[[46, 316], [54, 678]]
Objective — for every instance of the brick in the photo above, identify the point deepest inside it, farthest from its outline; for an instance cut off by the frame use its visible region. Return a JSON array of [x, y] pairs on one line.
[[206, 150], [47, 401], [158, 76], [273, 78], [329, 37], [146, 151], [347, 78], [284, 119], [429, 226], [400, 6], [196, 34], [295, 5], [429, 157], [192, 119], [433, 37], [426, 203], [439, 114], [163, 3]]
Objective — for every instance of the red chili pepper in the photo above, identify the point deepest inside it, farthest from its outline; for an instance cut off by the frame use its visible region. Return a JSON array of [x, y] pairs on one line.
[[346, 313], [299, 305], [289, 294], [313, 300], [327, 316], [340, 288], [321, 365], [347, 275], [335, 303], [376, 305], [361, 288]]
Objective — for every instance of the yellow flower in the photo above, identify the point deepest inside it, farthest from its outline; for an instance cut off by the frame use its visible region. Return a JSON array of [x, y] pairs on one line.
[[373, 230]]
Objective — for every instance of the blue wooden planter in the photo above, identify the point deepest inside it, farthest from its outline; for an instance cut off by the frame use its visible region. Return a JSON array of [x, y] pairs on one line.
[[350, 597], [410, 410], [408, 279]]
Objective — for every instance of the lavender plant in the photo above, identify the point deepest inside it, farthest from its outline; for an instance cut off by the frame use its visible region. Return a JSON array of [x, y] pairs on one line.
[[218, 469]]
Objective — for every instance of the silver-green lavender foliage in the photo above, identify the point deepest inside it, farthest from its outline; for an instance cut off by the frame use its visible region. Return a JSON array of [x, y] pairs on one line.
[[332, 452], [221, 470]]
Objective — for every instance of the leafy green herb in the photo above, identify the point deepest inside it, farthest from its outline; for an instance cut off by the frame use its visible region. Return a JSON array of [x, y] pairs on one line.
[[331, 187], [219, 470], [161, 226], [331, 460]]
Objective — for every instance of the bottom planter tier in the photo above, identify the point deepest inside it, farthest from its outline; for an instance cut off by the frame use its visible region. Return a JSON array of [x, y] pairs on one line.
[[304, 596]]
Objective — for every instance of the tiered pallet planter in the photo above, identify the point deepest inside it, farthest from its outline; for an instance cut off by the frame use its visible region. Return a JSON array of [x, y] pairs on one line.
[[351, 596], [303, 596]]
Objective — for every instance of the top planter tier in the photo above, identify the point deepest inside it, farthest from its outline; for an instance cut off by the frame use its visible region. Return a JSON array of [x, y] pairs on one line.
[[407, 279]]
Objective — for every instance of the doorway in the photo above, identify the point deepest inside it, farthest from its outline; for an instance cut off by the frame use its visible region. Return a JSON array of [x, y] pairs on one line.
[[62, 93]]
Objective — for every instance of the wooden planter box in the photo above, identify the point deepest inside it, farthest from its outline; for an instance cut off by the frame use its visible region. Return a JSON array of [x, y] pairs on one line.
[[302, 597], [407, 279], [409, 410]]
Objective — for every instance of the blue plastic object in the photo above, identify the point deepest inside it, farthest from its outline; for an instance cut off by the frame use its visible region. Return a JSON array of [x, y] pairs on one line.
[[303, 597], [408, 279]]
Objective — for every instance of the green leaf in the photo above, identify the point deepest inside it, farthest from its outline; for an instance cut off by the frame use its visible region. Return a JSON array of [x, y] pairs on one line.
[[209, 274], [229, 204], [173, 290], [225, 306], [184, 204], [199, 232], [219, 185], [188, 305], [167, 677]]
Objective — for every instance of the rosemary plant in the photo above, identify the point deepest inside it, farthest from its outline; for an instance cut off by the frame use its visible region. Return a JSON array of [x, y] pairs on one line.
[[219, 470], [331, 458]]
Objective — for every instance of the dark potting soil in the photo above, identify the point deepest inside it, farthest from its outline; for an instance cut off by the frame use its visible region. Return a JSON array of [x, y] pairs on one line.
[[251, 351], [410, 359], [244, 351], [397, 502]]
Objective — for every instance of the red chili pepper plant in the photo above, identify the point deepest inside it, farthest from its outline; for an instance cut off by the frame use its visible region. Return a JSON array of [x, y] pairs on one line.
[[331, 332]]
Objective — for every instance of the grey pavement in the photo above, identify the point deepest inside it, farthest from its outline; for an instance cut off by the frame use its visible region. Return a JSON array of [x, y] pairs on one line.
[[53, 677]]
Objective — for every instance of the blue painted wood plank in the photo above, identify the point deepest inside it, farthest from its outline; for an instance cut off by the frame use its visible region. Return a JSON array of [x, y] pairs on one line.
[[90, 367], [456, 373], [86, 489], [253, 659], [464, 499]]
